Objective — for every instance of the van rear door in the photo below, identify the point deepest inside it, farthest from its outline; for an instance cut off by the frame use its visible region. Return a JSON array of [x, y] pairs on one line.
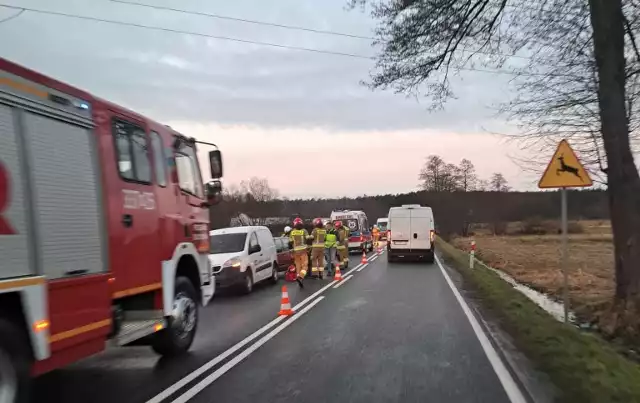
[[421, 226], [400, 226]]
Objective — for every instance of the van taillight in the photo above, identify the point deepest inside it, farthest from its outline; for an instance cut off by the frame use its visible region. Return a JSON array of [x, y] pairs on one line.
[[432, 235], [361, 238], [388, 235]]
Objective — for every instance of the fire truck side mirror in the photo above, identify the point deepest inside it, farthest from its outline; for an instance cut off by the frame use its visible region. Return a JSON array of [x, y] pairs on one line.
[[214, 191], [215, 162]]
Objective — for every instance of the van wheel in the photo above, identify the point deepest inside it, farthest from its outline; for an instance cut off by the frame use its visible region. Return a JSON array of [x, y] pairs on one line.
[[183, 322], [247, 287], [430, 257], [274, 274], [15, 364], [390, 258]]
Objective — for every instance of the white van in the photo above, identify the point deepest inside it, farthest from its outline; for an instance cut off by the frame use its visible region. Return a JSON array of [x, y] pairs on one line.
[[243, 256], [411, 233]]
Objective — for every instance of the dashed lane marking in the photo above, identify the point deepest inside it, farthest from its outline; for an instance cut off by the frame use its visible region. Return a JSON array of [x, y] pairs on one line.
[[200, 386], [344, 280]]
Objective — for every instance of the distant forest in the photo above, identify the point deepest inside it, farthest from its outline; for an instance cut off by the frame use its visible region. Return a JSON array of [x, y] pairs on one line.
[[456, 195]]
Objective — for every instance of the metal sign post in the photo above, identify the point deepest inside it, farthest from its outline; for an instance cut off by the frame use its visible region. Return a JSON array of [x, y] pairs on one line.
[[564, 171], [565, 255]]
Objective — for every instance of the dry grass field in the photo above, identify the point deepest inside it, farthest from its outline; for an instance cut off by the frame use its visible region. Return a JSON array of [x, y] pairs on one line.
[[534, 260]]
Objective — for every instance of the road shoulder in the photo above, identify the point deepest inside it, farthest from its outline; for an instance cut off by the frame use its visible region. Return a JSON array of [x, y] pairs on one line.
[[534, 384]]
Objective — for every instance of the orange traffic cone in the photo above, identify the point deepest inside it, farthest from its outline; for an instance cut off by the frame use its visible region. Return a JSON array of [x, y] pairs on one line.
[[338, 275], [364, 258], [285, 305]]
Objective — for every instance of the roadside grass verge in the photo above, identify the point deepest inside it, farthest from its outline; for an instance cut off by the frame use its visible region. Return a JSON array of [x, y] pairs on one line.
[[583, 367]]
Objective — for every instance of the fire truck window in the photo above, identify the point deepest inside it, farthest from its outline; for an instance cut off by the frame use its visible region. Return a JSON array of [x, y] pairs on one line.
[[159, 159], [132, 151], [140, 149], [186, 174], [188, 171]]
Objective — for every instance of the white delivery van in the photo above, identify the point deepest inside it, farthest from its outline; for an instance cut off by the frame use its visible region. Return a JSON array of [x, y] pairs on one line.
[[411, 233], [243, 256]]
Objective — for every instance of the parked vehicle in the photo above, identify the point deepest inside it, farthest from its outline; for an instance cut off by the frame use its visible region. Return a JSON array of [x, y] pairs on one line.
[[243, 256], [284, 251], [360, 238], [382, 226], [411, 233], [103, 229]]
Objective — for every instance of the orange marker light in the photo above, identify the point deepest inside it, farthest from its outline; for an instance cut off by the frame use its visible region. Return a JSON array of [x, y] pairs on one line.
[[158, 327], [40, 325]]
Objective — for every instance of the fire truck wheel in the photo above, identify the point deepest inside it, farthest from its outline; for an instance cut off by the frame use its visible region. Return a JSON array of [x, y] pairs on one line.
[[178, 336], [15, 364]]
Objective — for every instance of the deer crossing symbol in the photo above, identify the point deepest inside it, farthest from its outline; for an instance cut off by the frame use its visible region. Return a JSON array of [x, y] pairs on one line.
[[567, 168]]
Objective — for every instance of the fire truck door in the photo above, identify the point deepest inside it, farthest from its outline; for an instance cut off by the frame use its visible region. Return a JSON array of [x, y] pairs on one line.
[[136, 222]]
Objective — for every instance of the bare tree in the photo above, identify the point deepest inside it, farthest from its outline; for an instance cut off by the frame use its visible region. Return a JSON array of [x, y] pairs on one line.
[[259, 189], [439, 176], [498, 183], [421, 39], [468, 177]]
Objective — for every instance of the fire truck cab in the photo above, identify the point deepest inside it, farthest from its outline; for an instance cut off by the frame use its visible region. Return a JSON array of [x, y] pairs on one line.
[[104, 229]]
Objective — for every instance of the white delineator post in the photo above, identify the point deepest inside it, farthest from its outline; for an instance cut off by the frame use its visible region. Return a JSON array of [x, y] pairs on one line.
[[472, 254]]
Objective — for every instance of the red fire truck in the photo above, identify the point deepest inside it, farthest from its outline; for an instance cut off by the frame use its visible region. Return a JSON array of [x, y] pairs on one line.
[[104, 229]]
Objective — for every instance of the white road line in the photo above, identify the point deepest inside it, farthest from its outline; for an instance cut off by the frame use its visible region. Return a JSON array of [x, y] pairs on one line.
[[312, 296], [374, 258], [200, 386], [343, 281], [352, 270], [363, 266], [509, 385], [189, 378]]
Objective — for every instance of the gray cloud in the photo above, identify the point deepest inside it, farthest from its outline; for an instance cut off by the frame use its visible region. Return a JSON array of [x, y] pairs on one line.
[[177, 77]]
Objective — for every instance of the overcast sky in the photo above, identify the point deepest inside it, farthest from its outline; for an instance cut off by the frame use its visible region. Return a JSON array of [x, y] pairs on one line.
[[287, 115]]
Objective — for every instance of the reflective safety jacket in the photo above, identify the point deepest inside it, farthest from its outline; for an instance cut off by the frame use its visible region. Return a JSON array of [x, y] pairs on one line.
[[299, 239], [331, 239], [343, 235], [318, 235]]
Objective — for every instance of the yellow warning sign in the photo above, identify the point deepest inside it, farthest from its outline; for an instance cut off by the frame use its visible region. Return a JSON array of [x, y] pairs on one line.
[[564, 170]]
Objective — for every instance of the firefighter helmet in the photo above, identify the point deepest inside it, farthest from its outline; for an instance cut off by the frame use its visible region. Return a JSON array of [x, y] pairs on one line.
[[297, 223], [317, 222], [337, 224]]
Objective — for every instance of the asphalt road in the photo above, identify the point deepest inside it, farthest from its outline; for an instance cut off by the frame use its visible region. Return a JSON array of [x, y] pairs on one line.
[[390, 333]]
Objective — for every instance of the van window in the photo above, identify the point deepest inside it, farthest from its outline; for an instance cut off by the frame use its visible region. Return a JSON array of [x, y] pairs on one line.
[[228, 243], [253, 241], [352, 224], [279, 245], [132, 151], [159, 159]]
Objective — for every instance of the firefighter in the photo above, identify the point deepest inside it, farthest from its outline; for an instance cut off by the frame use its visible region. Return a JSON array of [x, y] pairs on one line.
[[287, 229], [298, 239], [343, 243], [318, 236], [330, 243], [376, 235]]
